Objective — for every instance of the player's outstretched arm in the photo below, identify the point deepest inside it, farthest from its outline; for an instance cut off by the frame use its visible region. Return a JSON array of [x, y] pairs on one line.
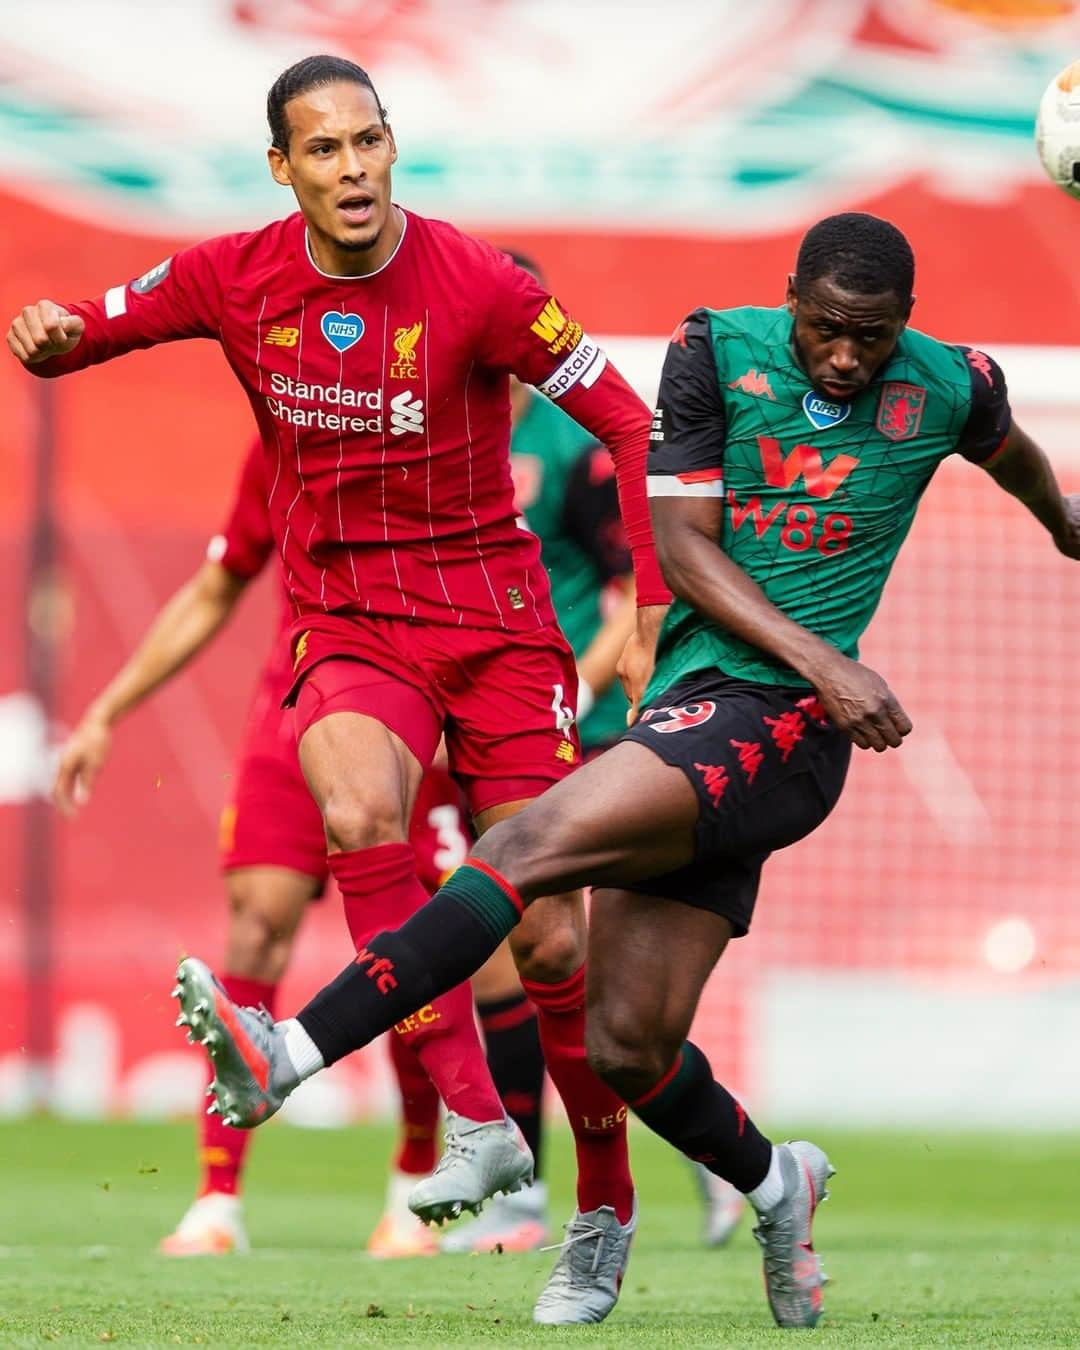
[[1023, 470], [183, 626], [698, 571], [44, 330]]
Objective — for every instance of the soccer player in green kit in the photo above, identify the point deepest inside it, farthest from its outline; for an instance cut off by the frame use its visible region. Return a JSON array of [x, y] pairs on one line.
[[565, 488], [791, 447]]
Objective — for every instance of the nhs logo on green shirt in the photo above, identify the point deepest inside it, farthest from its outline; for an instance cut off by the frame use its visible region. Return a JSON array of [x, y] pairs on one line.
[[822, 413]]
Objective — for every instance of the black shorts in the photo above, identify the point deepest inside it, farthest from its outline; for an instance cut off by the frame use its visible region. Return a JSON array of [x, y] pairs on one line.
[[768, 767]]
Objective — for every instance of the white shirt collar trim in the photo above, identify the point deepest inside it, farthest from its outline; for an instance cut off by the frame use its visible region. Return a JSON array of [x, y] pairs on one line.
[[365, 276]]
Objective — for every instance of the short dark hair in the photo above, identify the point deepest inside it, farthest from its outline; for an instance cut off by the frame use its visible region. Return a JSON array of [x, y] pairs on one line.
[[313, 72], [529, 264], [860, 252]]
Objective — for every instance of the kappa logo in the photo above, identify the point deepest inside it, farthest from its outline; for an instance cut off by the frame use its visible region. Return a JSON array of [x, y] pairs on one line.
[[406, 413], [981, 362], [342, 331], [754, 384], [405, 340], [900, 410], [715, 780], [277, 336]]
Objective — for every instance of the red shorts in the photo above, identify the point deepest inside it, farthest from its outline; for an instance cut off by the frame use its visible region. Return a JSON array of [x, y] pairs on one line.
[[503, 700], [271, 819]]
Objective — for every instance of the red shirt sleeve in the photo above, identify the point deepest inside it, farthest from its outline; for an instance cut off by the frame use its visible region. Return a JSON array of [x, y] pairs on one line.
[[245, 541], [179, 298], [528, 332]]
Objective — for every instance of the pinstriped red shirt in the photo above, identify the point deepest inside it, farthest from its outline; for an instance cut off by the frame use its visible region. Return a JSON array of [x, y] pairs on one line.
[[383, 411]]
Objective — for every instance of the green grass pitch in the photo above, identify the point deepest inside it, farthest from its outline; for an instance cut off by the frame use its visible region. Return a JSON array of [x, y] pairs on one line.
[[929, 1240]]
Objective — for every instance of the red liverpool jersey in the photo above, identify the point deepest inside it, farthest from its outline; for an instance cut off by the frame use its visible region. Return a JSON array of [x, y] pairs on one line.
[[382, 403]]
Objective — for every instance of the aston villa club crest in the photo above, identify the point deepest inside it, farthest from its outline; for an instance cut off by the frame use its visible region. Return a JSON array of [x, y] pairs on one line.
[[900, 410]]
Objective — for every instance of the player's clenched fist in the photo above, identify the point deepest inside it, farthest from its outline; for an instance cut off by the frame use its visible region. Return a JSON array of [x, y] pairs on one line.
[[44, 330]]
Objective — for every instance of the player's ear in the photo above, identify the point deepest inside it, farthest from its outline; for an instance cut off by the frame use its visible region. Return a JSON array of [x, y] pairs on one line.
[[279, 166], [392, 143], [791, 299]]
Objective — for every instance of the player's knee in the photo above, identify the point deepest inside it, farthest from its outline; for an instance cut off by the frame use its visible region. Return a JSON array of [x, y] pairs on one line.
[[257, 945], [358, 817], [523, 850], [549, 954], [624, 1050]]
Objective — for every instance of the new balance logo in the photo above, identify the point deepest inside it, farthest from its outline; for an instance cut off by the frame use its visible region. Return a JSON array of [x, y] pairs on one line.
[[277, 336], [406, 413], [753, 383], [379, 968], [805, 460]]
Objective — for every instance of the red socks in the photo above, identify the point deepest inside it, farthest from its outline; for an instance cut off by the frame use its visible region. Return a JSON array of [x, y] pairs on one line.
[[381, 890], [221, 1148], [597, 1116], [419, 1109]]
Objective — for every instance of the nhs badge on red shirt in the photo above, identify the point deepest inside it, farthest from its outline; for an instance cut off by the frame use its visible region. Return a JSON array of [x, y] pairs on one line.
[[342, 331]]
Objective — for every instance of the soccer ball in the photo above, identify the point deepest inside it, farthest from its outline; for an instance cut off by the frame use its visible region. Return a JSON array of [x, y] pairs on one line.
[[1057, 130]]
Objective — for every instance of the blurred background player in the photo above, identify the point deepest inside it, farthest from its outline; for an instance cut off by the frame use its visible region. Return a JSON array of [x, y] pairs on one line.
[[273, 856]]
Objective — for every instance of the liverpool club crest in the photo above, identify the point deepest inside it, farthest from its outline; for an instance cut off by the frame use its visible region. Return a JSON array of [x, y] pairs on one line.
[[405, 340], [900, 410]]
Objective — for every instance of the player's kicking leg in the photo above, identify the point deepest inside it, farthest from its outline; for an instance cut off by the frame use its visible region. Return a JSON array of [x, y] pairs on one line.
[[266, 904]]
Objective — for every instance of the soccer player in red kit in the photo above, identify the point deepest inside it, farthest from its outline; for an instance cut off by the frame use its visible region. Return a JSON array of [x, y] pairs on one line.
[[273, 856], [375, 347]]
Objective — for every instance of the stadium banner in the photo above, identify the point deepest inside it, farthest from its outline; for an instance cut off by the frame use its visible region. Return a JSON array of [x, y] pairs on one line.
[[923, 943]]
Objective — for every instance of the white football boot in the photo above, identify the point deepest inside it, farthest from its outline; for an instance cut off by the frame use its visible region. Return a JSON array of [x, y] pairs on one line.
[[213, 1226]]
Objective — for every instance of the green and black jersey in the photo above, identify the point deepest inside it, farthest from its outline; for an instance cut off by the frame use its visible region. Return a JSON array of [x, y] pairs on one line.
[[817, 496], [564, 485]]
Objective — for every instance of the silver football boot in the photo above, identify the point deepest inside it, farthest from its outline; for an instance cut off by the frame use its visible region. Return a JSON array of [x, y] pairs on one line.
[[480, 1159], [253, 1074], [585, 1284], [793, 1274]]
